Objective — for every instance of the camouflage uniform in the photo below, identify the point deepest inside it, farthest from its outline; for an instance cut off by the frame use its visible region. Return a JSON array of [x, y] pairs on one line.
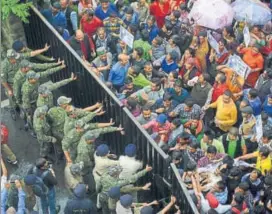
[[26, 55], [108, 181], [56, 118], [50, 87], [85, 151], [42, 129], [20, 77], [71, 140], [8, 71], [80, 114]]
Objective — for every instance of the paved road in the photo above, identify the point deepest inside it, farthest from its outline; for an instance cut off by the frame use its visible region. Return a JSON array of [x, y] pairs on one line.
[[27, 151]]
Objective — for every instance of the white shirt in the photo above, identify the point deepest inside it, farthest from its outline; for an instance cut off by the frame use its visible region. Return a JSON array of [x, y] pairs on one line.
[[129, 166]]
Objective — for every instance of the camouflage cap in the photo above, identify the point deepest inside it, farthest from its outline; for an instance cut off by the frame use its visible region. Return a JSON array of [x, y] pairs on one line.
[[32, 75], [80, 123], [13, 178], [64, 100], [90, 135], [44, 90], [76, 168], [25, 63], [100, 51], [41, 111], [113, 170], [12, 54]]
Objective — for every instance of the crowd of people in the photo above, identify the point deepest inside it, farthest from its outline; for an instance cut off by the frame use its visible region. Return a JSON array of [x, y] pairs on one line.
[[214, 121]]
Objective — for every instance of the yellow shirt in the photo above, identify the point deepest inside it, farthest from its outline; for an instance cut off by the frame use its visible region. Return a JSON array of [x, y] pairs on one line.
[[263, 165], [226, 113]]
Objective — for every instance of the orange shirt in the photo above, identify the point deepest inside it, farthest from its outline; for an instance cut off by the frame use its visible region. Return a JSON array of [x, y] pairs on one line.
[[234, 81]]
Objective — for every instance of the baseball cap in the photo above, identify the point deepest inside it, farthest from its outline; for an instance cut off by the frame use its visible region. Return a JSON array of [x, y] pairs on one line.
[[91, 135], [63, 100], [32, 75], [100, 51], [12, 54], [25, 63], [41, 111]]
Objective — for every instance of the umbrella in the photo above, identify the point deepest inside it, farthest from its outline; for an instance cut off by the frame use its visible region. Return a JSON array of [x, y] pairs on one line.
[[251, 11], [214, 14]]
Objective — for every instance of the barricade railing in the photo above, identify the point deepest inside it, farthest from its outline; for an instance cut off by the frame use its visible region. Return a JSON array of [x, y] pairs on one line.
[[89, 89]]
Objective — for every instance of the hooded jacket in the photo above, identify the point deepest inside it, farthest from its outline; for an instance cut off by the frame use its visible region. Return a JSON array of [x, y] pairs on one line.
[[80, 203]]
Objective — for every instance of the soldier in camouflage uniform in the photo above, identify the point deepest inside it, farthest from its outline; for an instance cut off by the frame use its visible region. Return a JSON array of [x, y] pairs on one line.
[[42, 129], [9, 66], [71, 140], [86, 147], [111, 179], [30, 91], [25, 52], [20, 76], [45, 91]]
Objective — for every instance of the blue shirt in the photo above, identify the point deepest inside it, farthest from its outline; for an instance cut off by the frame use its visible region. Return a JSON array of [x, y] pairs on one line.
[[101, 14], [134, 20], [118, 74], [167, 68], [255, 104], [179, 98], [153, 32], [267, 108], [21, 201], [59, 20]]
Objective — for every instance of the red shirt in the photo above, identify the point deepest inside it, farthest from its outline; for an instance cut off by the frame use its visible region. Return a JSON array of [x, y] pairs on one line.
[[90, 27], [218, 90], [160, 11], [4, 134]]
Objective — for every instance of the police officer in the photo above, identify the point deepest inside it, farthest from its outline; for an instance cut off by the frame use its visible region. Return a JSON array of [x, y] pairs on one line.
[[9, 66], [45, 91], [42, 129]]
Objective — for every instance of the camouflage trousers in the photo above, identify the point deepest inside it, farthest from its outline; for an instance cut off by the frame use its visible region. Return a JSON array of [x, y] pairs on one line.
[[7, 151], [12, 101], [103, 199], [27, 115]]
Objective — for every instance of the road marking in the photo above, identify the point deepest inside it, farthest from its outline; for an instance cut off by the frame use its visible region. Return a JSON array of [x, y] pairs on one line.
[[4, 103]]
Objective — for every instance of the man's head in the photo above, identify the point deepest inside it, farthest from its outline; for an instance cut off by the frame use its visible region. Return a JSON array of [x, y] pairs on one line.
[[246, 112], [102, 54], [233, 133], [138, 53], [130, 150], [44, 91], [175, 124], [101, 33], [32, 77], [155, 84], [123, 59], [146, 112], [178, 86], [88, 14], [252, 94], [161, 119], [134, 71], [238, 198], [56, 7], [64, 4], [167, 99], [25, 66], [220, 78], [172, 56], [79, 125], [184, 138], [220, 186], [129, 13], [126, 201], [148, 68], [243, 104], [79, 35], [90, 137], [227, 97], [63, 101], [157, 41], [150, 21], [12, 56], [208, 136], [42, 163], [102, 150], [176, 157], [201, 36], [221, 45], [254, 175], [264, 152], [129, 83], [189, 103], [104, 4], [203, 78], [267, 137], [193, 147], [243, 187], [211, 152], [113, 17], [18, 46]]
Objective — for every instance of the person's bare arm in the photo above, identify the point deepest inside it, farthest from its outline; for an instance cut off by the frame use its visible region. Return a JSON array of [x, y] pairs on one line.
[[3, 167], [39, 51]]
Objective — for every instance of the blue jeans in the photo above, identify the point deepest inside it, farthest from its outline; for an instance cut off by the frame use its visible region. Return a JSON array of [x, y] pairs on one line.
[[49, 201]]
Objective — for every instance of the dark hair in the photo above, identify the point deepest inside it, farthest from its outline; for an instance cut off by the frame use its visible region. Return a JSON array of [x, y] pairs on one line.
[[265, 151], [228, 93], [258, 172], [167, 97], [229, 30], [165, 148], [40, 162], [156, 81], [129, 10], [259, 209], [212, 211], [229, 161], [168, 26], [238, 198], [176, 122], [145, 35], [147, 63], [140, 51], [245, 101], [191, 166], [267, 134], [176, 13], [222, 77], [132, 102], [175, 39], [211, 150], [136, 69], [146, 108], [206, 77], [159, 40], [178, 83], [244, 186], [193, 144], [191, 51], [264, 116], [60, 30], [128, 80], [189, 102], [253, 93], [175, 74], [133, 28], [151, 18], [210, 134], [221, 185]]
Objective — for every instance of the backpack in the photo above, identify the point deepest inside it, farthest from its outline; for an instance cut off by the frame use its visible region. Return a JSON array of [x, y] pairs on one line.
[[39, 188]]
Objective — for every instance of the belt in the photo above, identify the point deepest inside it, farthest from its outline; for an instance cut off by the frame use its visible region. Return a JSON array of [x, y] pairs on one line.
[[98, 173]]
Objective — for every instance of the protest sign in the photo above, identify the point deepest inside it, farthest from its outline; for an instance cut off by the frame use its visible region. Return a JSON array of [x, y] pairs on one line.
[[246, 36], [239, 66], [126, 37], [213, 43]]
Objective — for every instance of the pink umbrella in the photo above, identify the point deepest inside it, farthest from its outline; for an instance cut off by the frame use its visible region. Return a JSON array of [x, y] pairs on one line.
[[214, 14]]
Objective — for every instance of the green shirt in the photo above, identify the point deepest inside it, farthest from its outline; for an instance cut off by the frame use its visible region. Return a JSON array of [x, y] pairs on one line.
[[232, 145], [218, 145]]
